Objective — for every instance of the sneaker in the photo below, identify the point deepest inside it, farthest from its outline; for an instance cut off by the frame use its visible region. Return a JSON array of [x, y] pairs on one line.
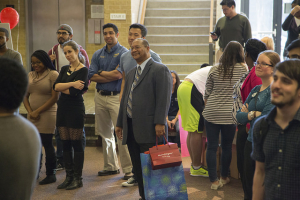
[[59, 167], [224, 182], [130, 182], [215, 187], [199, 172]]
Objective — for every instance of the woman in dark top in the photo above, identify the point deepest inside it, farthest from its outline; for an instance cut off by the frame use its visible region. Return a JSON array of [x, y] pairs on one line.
[[172, 118], [71, 82], [291, 26]]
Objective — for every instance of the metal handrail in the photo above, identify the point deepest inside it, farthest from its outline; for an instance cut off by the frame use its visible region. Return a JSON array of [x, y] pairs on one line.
[[210, 41], [142, 11]]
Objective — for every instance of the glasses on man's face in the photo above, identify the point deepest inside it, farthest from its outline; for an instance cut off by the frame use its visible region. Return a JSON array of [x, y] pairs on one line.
[[294, 56], [36, 63], [62, 33], [262, 64]]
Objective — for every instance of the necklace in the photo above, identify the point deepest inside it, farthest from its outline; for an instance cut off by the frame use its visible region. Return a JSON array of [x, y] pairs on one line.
[[69, 72]]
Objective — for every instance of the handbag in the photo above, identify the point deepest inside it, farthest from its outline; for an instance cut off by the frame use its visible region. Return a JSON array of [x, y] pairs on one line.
[[165, 156], [163, 184]]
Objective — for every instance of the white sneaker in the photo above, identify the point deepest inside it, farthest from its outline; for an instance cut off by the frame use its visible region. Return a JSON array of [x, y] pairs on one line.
[[130, 182], [224, 182], [215, 187]]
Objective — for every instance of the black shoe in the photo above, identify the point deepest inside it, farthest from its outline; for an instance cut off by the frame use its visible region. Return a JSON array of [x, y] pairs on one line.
[[76, 183], [48, 179], [66, 183], [106, 173]]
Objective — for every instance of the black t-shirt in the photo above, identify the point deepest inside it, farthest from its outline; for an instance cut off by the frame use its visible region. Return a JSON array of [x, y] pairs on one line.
[[173, 110]]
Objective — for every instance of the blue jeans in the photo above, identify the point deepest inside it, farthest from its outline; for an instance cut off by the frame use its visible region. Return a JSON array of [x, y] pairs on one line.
[[59, 144], [227, 135]]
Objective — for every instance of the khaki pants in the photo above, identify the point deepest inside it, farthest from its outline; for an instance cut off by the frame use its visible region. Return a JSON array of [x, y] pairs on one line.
[[106, 114], [218, 55]]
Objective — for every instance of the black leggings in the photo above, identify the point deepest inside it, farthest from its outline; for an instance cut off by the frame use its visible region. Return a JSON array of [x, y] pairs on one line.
[[49, 151]]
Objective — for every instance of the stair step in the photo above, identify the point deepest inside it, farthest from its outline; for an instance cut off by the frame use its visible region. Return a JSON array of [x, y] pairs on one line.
[[184, 58], [179, 68], [178, 4], [177, 48], [186, 39], [167, 21], [157, 30], [177, 12]]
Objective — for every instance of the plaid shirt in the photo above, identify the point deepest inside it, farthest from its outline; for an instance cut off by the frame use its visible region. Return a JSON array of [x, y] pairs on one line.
[[281, 154]]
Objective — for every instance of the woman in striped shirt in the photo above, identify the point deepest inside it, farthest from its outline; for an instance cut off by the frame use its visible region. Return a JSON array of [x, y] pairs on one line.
[[218, 109]]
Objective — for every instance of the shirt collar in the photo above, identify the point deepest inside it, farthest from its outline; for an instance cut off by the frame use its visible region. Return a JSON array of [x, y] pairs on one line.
[[112, 49], [143, 65], [273, 112]]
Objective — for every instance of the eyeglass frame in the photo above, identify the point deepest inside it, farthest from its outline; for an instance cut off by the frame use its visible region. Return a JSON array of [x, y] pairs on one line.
[[36, 63], [293, 57], [261, 64], [62, 33]]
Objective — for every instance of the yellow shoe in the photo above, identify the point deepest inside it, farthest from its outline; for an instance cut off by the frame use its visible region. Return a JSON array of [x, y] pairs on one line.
[[199, 172]]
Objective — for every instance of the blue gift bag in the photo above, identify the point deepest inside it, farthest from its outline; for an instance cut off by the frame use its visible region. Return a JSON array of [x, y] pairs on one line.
[[161, 184]]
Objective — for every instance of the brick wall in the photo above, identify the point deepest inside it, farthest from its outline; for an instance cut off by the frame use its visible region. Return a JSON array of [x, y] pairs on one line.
[[19, 29]]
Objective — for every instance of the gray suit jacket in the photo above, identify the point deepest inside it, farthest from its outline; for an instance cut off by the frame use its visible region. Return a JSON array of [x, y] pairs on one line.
[[150, 101]]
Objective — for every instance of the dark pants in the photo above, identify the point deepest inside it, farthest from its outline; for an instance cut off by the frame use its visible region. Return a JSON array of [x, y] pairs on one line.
[[59, 143], [50, 153], [135, 149], [227, 135], [249, 168], [240, 146]]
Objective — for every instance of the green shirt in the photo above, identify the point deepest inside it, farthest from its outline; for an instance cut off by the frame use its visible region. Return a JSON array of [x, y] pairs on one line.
[[237, 28]]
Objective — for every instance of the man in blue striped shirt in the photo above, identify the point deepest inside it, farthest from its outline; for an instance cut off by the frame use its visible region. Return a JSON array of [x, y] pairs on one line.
[[105, 71]]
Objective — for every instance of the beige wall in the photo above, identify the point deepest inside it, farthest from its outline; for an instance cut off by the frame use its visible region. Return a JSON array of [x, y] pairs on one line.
[[20, 29], [110, 6]]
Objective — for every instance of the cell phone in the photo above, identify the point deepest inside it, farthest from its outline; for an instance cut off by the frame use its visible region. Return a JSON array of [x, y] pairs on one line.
[[213, 33]]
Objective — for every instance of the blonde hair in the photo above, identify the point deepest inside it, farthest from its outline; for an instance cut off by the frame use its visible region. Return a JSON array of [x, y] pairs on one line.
[[269, 42]]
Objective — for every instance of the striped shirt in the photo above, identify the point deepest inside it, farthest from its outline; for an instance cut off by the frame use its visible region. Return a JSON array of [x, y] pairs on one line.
[[218, 93]]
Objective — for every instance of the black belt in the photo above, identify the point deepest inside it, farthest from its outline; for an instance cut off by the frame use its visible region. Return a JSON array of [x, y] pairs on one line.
[[107, 93]]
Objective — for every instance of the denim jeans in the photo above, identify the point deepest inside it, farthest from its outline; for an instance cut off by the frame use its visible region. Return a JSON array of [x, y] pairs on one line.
[[59, 145], [227, 135]]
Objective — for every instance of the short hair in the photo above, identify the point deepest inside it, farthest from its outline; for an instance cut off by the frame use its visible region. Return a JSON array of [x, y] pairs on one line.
[[4, 30], [254, 47], [228, 3], [111, 25], [13, 84], [75, 47], [144, 42], [204, 65], [272, 55], [141, 27], [294, 44], [290, 68]]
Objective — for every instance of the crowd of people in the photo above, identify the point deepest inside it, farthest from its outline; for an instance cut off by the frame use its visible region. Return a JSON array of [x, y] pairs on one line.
[[249, 92]]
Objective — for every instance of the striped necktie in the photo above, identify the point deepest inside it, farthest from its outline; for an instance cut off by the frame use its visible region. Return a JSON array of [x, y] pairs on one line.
[[129, 103]]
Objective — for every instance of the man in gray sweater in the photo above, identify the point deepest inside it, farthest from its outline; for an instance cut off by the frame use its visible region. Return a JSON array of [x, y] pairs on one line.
[[20, 146], [5, 52]]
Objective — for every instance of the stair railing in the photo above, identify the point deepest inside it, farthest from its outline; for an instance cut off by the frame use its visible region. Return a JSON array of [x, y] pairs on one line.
[[142, 11], [210, 41]]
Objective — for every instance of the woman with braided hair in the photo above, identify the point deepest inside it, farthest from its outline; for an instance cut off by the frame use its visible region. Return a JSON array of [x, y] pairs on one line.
[[242, 89], [40, 103]]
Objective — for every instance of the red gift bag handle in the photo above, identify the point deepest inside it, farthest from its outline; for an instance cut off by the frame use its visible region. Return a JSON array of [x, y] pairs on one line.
[[165, 140]]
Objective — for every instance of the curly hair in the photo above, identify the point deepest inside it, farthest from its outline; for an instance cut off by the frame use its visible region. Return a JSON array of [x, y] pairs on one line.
[[254, 47], [233, 53]]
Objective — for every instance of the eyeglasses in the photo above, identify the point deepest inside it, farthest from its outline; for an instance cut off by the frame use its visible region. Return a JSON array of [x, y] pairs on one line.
[[36, 63], [293, 56], [62, 33], [262, 64]]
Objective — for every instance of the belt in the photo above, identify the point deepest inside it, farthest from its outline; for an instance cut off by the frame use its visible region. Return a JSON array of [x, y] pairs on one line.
[[107, 93]]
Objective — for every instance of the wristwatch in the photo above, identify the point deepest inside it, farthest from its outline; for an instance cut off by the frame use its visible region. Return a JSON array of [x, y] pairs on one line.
[[99, 72], [251, 115]]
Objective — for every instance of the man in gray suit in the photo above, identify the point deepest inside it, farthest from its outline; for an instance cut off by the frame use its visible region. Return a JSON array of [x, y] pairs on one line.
[[144, 105]]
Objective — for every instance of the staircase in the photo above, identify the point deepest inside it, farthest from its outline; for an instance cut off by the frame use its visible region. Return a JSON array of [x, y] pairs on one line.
[[178, 30]]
